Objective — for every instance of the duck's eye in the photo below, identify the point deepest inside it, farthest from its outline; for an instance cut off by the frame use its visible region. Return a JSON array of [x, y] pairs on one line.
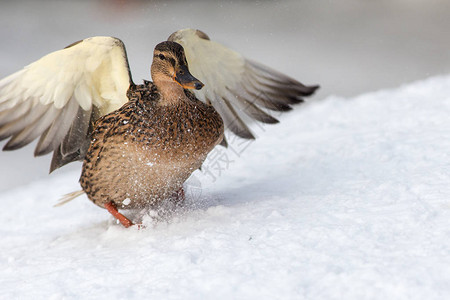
[[161, 56]]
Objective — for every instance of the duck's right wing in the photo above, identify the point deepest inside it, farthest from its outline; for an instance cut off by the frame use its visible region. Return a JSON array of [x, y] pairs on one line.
[[240, 89], [60, 95]]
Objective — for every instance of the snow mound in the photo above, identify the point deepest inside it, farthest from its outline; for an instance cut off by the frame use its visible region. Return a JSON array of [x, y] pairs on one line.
[[344, 199]]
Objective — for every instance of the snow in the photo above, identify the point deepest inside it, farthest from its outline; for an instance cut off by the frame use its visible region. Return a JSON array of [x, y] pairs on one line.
[[346, 198]]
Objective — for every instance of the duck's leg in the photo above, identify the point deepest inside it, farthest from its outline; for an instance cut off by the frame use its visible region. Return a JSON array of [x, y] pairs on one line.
[[111, 207]]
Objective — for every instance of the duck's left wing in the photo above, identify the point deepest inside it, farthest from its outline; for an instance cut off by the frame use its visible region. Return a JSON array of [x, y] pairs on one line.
[[238, 88], [59, 96]]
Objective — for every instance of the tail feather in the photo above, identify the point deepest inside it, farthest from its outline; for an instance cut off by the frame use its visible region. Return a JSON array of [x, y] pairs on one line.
[[68, 197]]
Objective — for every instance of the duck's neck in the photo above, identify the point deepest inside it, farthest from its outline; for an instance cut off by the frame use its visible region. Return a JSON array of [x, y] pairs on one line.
[[171, 92]]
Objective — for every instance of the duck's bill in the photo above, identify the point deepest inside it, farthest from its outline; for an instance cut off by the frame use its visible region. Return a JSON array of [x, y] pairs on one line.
[[186, 80]]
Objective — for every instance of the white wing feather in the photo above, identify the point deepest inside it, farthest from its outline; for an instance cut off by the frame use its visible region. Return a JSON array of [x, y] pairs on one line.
[[45, 97], [237, 87], [56, 96]]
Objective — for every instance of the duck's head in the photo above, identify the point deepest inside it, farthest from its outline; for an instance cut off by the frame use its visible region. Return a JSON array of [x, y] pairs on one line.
[[170, 66]]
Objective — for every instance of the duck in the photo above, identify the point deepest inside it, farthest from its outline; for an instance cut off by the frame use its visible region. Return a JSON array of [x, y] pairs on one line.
[[139, 143]]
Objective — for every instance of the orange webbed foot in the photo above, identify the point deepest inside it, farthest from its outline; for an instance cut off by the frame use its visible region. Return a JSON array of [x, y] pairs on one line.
[[111, 207]]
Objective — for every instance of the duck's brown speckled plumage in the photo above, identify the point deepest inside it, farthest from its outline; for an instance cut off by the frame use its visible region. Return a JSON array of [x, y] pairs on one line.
[[139, 143], [145, 150]]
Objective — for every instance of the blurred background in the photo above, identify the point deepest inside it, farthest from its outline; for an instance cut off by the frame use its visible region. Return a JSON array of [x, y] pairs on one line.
[[349, 47]]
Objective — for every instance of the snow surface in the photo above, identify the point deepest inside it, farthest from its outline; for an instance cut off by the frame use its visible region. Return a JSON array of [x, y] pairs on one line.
[[344, 199]]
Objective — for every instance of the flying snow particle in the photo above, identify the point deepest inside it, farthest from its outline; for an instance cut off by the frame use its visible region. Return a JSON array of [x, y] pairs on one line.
[[126, 201]]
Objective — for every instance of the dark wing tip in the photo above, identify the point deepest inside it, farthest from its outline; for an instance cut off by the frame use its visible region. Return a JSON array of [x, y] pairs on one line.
[[73, 44], [245, 134], [266, 119], [202, 35], [224, 142], [281, 107], [311, 90], [11, 147], [59, 159]]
